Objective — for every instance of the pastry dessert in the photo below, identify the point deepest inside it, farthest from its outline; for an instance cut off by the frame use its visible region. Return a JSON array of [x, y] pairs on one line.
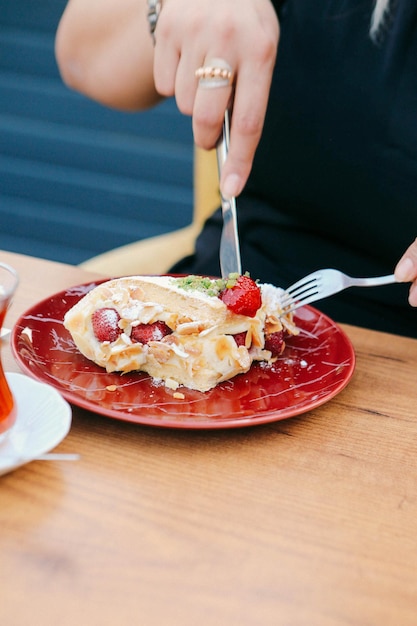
[[192, 331]]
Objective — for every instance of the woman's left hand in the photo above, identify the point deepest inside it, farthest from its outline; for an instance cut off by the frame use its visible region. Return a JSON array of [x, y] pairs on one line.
[[406, 271]]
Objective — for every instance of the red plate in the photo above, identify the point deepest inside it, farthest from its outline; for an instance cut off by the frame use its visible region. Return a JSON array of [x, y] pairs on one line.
[[316, 365]]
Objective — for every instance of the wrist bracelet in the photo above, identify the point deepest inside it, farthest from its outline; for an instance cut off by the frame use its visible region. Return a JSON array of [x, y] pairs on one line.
[[154, 9]]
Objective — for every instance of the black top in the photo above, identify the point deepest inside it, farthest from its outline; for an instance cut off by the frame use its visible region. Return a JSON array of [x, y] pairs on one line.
[[334, 181]]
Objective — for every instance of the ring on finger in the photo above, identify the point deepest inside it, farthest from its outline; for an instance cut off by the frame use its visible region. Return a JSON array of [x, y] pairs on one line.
[[217, 73]]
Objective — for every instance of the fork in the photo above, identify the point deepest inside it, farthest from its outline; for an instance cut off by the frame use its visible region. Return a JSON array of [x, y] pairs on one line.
[[324, 283]]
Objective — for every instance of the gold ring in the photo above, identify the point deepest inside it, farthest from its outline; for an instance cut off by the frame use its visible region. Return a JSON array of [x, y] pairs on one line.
[[215, 75]]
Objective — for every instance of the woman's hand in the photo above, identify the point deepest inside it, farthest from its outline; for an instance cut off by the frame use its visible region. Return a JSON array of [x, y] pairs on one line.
[[244, 35], [104, 50], [406, 271]]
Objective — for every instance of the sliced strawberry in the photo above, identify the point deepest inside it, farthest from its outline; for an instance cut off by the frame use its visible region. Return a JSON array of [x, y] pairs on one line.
[[143, 333], [240, 338], [106, 324], [243, 297], [274, 342]]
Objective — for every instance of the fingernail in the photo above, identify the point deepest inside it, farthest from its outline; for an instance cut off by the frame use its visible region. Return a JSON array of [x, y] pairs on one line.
[[404, 270], [231, 186]]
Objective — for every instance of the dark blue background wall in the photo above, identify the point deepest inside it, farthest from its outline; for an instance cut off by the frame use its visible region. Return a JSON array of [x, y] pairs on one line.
[[76, 178]]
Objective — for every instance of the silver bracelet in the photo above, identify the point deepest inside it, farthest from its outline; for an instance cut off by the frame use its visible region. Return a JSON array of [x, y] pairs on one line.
[[154, 9]]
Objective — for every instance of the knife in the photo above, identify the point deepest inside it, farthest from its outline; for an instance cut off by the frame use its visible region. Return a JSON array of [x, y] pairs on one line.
[[230, 262]]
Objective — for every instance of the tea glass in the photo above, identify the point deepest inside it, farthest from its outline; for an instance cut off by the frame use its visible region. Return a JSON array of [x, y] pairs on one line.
[[8, 410]]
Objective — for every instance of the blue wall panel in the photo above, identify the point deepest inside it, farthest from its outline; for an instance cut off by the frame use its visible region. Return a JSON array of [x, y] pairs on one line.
[[77, 178]]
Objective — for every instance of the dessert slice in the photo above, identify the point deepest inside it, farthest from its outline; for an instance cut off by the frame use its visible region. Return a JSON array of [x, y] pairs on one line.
[[192, 331]]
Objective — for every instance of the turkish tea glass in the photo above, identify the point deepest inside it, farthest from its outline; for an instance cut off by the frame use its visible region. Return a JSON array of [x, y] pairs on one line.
[[8, 284]]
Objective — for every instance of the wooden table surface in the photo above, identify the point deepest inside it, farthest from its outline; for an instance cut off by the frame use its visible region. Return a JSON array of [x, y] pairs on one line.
[[306, 521]]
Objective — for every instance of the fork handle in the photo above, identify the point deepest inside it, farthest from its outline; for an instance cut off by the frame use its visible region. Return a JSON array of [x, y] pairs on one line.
[[373, 282]]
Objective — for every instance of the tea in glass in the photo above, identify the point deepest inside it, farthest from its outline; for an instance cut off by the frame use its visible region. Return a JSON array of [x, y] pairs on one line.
[[8, 284]]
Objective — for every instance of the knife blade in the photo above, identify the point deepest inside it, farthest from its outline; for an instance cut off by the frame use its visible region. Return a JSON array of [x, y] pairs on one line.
[[230, 261]]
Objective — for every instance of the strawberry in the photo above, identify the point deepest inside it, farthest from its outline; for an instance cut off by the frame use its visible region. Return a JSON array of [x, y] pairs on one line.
[[240, 338], [274, 342], [243, 297], [106, 324], [143, 333]]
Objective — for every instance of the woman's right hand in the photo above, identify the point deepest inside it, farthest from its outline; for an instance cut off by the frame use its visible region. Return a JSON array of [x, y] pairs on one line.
[[104, 50], [242, 33]]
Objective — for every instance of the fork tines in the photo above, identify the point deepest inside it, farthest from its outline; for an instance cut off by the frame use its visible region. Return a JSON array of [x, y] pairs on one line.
[[301, 290]]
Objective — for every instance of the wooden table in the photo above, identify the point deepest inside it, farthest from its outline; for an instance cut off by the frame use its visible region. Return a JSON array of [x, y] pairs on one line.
[[308, 521]]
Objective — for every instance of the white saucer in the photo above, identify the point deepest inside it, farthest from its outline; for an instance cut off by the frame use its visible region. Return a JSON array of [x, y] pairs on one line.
[[43, 420]]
